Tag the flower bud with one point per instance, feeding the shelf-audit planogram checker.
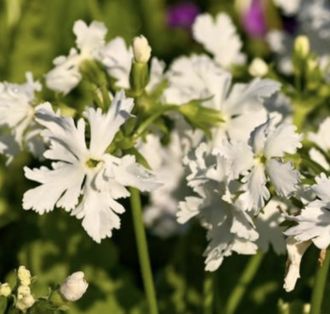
(74, 286)
(25, 299)
(258, 68)
(5, 290)
(301, 46)
(141, 49)
(24, 276)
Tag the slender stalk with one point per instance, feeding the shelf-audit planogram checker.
(319, 285)
(246, 278)
(208, 294)
(141, 242)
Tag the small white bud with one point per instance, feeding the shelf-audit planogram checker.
(141, 49)
(25, 299)
(258, 68)
(302, 46)
(5, 290)
(74, 286)
(24, 276)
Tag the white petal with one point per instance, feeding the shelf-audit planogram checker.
(62, 131)
(90, 39)
(256, 192)
(284, 177)
(250, 95)
(59, 187)
(128, 172)
(322, 138)
(105, 126)
(188, 209)
(281, 140)
(322, 187)
(156, 74)
(296, 251)
(312, 224)
(98, 212)
(117, 59)
(65, 75)
(219, 37)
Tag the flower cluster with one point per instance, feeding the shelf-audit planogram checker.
(229, 152)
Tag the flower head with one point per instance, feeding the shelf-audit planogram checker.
(86, 180)
(90, 42)
(24, 276)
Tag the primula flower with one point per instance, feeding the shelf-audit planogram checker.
(219, 37)
(229, 229)
(90, 41)
(84, 179)
(313, 223)
(240, 105)
(17, 103)
(269, 145)
(189, 79)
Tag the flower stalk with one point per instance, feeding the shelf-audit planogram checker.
(141, 242)
(246, 278)
(319, 285)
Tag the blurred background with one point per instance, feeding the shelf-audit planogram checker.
(32, 34)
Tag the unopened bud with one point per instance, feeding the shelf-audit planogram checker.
(25, 299)
(141, 49)
(5, 290)
(74, 286)
(24, 276)
(302, 46)
(258, 68)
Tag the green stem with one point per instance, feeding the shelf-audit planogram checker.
(141, 242)
(150, 120)
(208, 293)
(319, 285)
(246, 278)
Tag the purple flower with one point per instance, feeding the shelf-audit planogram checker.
(254, 19)
(182, 14)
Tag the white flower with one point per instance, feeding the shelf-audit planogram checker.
(74, 286)
(24, 276)
(117, 58)
(86, 181)
(269, 144)
(156, 75)
(17, 114)
(189, 79)
(141, 49)
(313, 223)
(166, 161)
(90, 42)
(296, 251)
(5, 290)
(229, 229)
(258, 68)
(240, 105)
(219, 37)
